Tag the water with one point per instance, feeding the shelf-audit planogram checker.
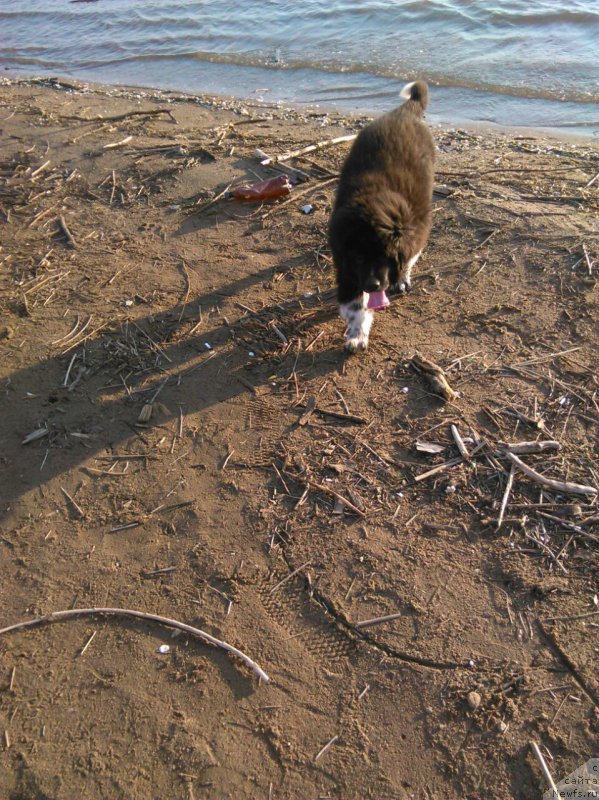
(509, 63)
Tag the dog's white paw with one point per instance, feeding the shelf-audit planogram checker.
(357, 344)
(404, 286)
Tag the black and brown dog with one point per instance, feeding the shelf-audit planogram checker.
(382, 213)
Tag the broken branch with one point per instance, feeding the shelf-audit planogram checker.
(558, 486)
(56, 616)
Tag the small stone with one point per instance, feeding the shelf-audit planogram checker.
(474, 700)
(163, 649)
(502, 726)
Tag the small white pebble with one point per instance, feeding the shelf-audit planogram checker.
(307, 209)
(207, 346)
(128, 303)
(251, 353)
(563, 401)
(164, 648)
(450, 489)
(405, 389)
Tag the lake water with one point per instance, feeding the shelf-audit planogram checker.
(511, 63)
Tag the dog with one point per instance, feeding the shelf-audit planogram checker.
(381, 216)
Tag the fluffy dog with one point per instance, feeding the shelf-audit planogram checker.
(382, 213)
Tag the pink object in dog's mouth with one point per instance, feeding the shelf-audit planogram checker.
(377, 300)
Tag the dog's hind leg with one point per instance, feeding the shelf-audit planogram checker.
(359, 321)
(405, 276)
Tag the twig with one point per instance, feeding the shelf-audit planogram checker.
(337, 496)
(288, 577)
(327, 746)
(149, 338)
(296, 196)
(121, 117)
(506, 497)
(210, 203)
(309, 149)
(530, 447)
(460, 443)
(558, 486)
(592, 181)
(544, 768)
(439, 468)
(56, 616)
(66, 377)
(87, 644)
(67, 232)
(588, 260)
(365, 623)
(339, 415)
(75, 505)
(582, 681)
(227, 459)
(114, 145)
(40, 169)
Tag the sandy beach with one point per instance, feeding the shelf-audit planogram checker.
(182, 435)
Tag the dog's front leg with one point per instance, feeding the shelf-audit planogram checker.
(404, 282)
(359, 321)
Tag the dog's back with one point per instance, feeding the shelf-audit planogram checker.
(394, 154)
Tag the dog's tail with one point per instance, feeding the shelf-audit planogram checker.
(416, 93)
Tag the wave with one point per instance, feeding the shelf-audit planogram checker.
(435, 78)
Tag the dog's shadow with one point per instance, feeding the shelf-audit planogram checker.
(99, 414)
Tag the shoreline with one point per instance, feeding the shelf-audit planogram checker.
(575, 135)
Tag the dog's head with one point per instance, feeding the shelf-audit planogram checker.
(361, 253)
(373, 233)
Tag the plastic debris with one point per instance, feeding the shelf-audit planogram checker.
(270, 189)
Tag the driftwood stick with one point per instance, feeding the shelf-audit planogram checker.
(310, 149)
(530, 447)
(558, 486)
(435, 375)
(56, 616)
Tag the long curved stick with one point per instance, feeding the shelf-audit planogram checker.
(558, 486)
(55, 616)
